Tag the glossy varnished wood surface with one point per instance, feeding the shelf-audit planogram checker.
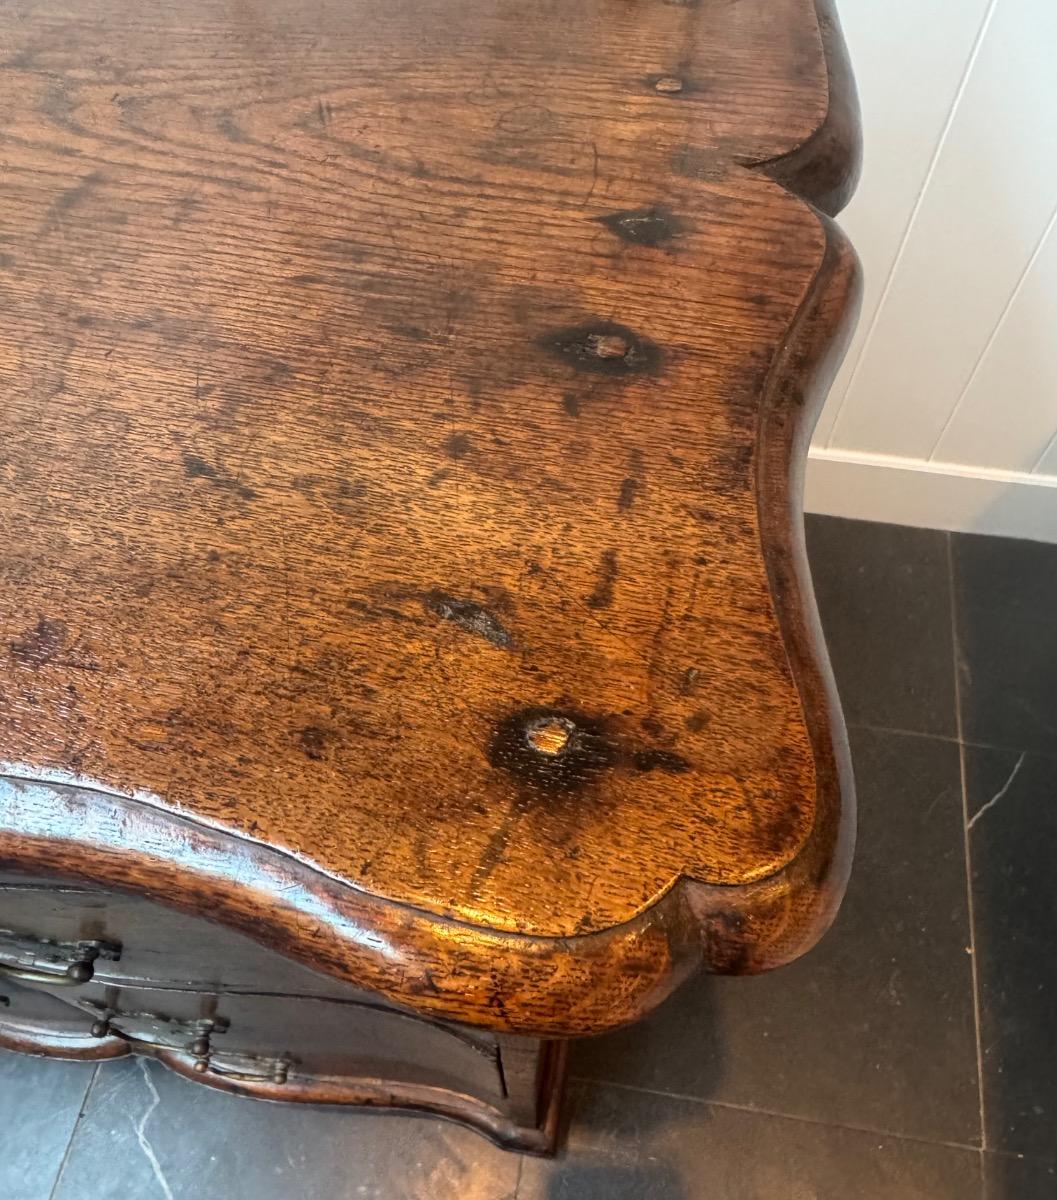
(381, 380)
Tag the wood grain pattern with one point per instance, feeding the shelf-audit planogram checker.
(382, 386)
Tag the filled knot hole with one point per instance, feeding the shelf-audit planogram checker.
(549, 736)
(607, 345)
(551, 750)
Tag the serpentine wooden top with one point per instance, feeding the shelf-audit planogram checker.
(404, 410)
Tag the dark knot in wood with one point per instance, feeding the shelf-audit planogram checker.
(606, 348)
(552, 749)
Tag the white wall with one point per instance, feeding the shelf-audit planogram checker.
(945, 413)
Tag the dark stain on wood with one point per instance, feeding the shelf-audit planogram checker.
(470, 616)
(69, 199)
(230, 129)
(629, 489)
(314, 741)
(457, 445)
(414, 333)
(198, 468)
(608, 573)
(606, 348)
(699, 720)
(656, 759)
(654, 226)
(39, 645)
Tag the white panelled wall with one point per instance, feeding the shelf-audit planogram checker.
(945, 412)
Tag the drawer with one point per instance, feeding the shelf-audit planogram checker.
(158, 945)
(299, 1049)
(165, 980)
(280, 1037)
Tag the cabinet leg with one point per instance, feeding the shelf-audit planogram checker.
(534, 1078)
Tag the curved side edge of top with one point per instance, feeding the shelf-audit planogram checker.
(825, 169)
(768, 924)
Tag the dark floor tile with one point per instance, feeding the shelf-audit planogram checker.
(1009, 1177)
(875, 1027)
(1005, 601)
(884, 597)
(147, 1134)
(630, 1146)
(1013, 835)
(39, 1103)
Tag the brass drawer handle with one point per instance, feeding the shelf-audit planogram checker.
(247, 1068)
(75, 975)
(52, 963)
(279, 1076)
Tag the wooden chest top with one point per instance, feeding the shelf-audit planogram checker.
(404, 405)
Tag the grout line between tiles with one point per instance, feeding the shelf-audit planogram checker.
(73, 1133)
(967, 841)
(781, 1116)
(1017, 1156)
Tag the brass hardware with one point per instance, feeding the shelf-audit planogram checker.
(51, 963)
(260, 1069)
(151, 1029)
(75, 974)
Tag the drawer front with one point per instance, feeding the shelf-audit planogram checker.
(159, 945)
(31, 1009)
(165, 979)
(273, 1039)
(313, 1037)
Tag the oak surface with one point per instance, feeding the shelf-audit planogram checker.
(404, 406)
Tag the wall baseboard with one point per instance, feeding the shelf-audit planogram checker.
(910, 491)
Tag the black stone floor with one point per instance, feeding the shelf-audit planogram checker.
(912, 1056)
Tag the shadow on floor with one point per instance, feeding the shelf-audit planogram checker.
(610, 1181)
